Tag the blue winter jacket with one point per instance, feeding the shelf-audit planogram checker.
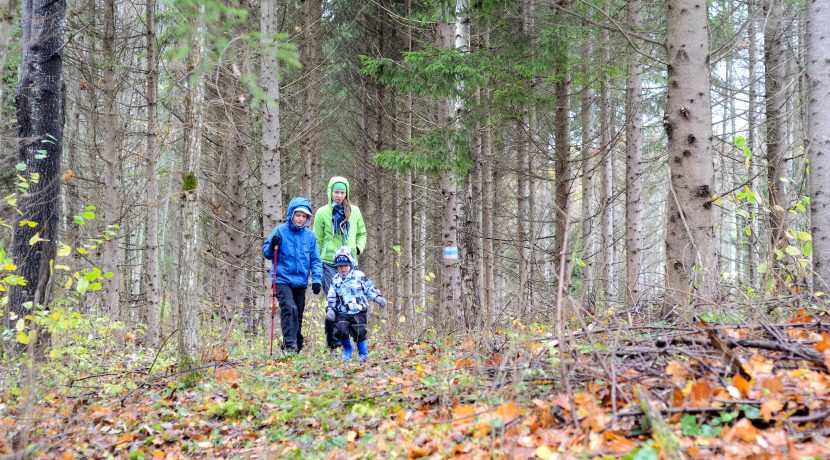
(297, 252)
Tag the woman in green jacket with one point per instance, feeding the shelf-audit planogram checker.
(338, 223)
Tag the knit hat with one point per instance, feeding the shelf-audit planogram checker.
(343, 256)
(338, 186)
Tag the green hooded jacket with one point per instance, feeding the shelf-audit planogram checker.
(327, 241)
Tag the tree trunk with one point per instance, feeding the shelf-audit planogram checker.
(606, 176)
(311, 59)
(487, 199)
(39, 105)
(272, 210)
(152, 272)
(634, 168)
(587, 159)
(561, 167)
(189, 310)
(8, 10)
(449, 113)
(112, 183)
(752, 117)
(779, 163)
(690, 257)
(818, 75)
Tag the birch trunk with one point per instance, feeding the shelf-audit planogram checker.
(152, 200)
(634, 168)
(818, 77)
(690, 255)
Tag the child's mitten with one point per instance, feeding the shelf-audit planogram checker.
(381, 301)
(329, 314)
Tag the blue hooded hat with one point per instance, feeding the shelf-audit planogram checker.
(297, 256)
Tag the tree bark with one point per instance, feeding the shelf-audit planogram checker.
(690, 257)
(779, 163)
(8, 10)
(311, 59)
(112, 182)
(152, 200)
(188, 303)
(606, 176)
(39, 106)
(561, 134)
(587, 160)
(487, 199)
(634, 168)
(818, 75)
(751, 142)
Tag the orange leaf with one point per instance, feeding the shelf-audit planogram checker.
(827, 358)
(67, 455)
(741, 384)
(464, 362)
(742, 430)
(774, 385)
(771, 405)
(509, 411)
(701, 391)
(158, 455)
(227, 375)
(677, 371)
(825, 342)
(462, 414)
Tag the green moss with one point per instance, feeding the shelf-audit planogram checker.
(191, 378)
(189, 182)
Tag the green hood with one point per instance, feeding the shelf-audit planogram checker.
(335, 180)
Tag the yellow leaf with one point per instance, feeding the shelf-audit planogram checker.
(544, 452)
(20, 325)
(62, 267)
(36, 239)
(64, 250)
(23, 338)
(10, 266)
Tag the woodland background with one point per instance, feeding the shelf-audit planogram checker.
(637, 167)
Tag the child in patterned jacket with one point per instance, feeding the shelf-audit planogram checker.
(347, 303)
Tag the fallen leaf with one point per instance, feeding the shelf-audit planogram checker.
(544, 453)
(227, 375)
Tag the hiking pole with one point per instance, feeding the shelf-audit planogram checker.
(273, 303)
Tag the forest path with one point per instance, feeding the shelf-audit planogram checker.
(445, 397)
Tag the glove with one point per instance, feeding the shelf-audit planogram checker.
(275, 241)
(315, 288)
(381, 301)
(329, 314)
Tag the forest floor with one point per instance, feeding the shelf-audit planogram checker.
(710, 391)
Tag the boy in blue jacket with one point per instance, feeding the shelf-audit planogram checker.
(347, 304)
(296, 257)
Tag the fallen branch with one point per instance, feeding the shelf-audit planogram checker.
(663, 433)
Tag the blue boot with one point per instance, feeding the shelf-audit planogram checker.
(347, 349)
(362, 351)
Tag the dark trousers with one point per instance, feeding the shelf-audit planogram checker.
(351, 326)
(292, 305)
(328, 274)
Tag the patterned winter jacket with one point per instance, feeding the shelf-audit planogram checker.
(350, 294)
